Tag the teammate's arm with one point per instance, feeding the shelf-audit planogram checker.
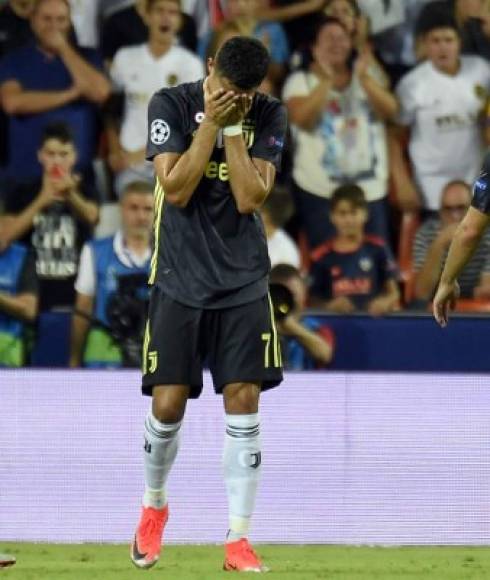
(465, 242)
(180, 173)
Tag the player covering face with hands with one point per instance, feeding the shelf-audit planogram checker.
(465, 242)
(215, 146)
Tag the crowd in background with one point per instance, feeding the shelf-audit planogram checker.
(388, 102)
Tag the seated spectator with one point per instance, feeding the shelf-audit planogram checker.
(245, 15)
(306, 343)
(138, 72)
(50, 80)
(54, 216)
(442, 100)
(337, 112)
(353, 272)
(126, 26)
(18, 302)
(432, 242)
(104, 266)
(275, 212)
(15, 28)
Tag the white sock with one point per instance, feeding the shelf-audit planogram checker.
(161, 445)
(241, 461)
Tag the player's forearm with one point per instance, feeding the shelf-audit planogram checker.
(247, 185)
(181, 180)
(462, 247)
(96, 87)
(32, 102)
(23, 307)
(426, 279)
(79, 330)
(86, 210)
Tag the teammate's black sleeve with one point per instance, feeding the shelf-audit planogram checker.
(271, 134)
(166, 120)
(481, 188)
(28, 281)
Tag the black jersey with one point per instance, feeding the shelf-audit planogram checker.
(481, 188)
(208, 255)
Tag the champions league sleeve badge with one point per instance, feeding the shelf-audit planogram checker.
(159, 132)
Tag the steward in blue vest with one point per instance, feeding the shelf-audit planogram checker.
(18, 302)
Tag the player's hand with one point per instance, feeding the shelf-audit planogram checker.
(219, 104)
(243, 106)
(444, 300)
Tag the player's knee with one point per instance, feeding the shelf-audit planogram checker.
(168, 405)
(241, 399)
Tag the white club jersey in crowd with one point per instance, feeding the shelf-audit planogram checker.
(282, 249)
(347, 144)
(443, 112)
(137, 73)
(85, 18)
(86, 282)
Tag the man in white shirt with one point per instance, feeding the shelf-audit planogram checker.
(441, 102)
(138, 72)
(105, 265)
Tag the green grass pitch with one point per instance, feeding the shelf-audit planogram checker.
(106, 562)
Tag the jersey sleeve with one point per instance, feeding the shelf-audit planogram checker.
(271, 135)
(481, 189)
(165, 126)
(85, 282)
(406, 97)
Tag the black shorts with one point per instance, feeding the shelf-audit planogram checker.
(238, 344)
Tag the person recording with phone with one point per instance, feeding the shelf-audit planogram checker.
(54, 216)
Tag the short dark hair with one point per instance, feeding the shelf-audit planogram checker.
(433, 16)
(243, 61)
(281, 273)
(59, 131)
(139, 187)
(351, 193)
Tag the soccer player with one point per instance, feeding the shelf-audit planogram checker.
(215, 145)
(465, 242)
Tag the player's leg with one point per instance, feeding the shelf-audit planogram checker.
(171, 374)
(245, 360)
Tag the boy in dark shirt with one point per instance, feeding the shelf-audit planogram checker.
(353, 271)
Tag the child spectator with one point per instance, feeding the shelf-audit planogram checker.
(353, 271)
(54, 216)
(138, 72)
(306, 343)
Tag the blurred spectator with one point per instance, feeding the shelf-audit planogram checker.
(392, 26)
(353, 271)
(306, 342)
(15, 29)
(85, 15)
(49, 80)
(104, 266)
(432, 243)
(337, 113)
(442, 101)
(473, 18)
(127, 27)
(275, 212)
(207, 15)
(18, 302)
(54, 216)
(245, 14)
(138, 72)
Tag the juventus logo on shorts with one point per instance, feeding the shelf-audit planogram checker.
(153, 361)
